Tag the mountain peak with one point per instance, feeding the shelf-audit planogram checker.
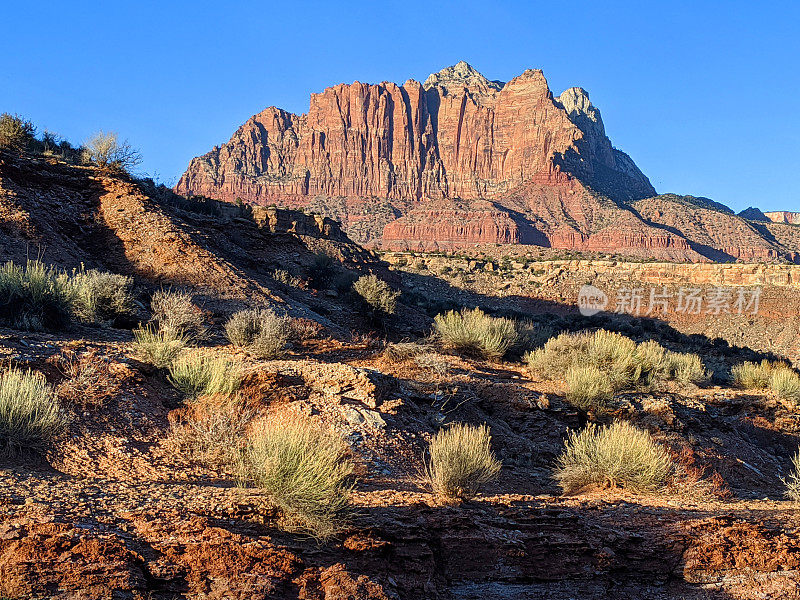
(462, 75)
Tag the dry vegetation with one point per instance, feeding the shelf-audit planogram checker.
(30, 415)
(262, 332)
(475, 333)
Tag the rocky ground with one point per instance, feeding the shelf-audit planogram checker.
(126, 504)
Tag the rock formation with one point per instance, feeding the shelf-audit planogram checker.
(452, 162)
(783, 216)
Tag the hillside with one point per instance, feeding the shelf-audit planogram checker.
(152, 487)
(461, 160)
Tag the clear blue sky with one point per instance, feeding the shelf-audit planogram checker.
(703, 95)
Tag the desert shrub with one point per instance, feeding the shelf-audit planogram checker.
(618, 455)
(198, 374)
(619, 358)
(377, 294)
(283, 276)
(34, 297)
(16, 133)
(304, 329)
(785, 383)
(260, 330)
(475, 333)
(303, 467)
(687, 368)
(751, 375)
(588, 387)
(107, 151)
(461, 461)
(30, 414)
(323, 270)
(100, 297)
(156, 346)
(792, 481)
(175, 313)
(530, 336)
(90, 380)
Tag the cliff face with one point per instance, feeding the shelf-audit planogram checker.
(454, 161)
(783, 216)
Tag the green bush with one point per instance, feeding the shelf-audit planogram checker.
(475, 333)
(16, 133)
(157, 347)
(461, 461)
(34, 297)
(687, 368)
(198, 374)
(100, 297)
(30, 414)
(304, 468)
(588, 387)
(176, 314)
(260, 330)
(377, 294)
(792, 482)
(618, 455)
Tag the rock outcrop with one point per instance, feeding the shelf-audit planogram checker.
(451, 162)
(783, 216)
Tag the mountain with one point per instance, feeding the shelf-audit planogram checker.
(461, 160)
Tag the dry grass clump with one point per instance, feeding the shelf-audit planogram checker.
(156, 346)
(619, 360)
(475, 333)
(198, 374)
(260, 330)
(461, 461)
(175, 314)
(90, 379)
(792, 482)
(588, 387)
(34, 297)
(214, 430)
(618, 455)
(399, 351)
(377, 294)
(30, 414)
(99, 297)
(305, 469)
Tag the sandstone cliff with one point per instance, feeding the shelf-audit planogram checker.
(784, 216)
(451, 162)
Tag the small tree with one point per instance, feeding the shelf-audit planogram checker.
(16, 133)
(106, 151)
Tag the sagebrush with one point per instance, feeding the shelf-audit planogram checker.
(176, 314)
(197, 373)
(377, 294)
(30, 415)
(460, 461)
(263, 332)
(475, 333)
(156, 346)
(617, 455)
(304, 467)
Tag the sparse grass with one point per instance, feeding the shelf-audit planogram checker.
(157, 347)
(30, 414)
(588, 387)
(398, 351)
(90, 379)
(461, 461)
(305, 469)
(621, 361)
(792, 481)
(34, 297)
(261, 331)
(174, 313)
(196, 374)
(100, 297)
(377, 294)
(475, 333)
(215, 430)
(618, 455)
(785, 383)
